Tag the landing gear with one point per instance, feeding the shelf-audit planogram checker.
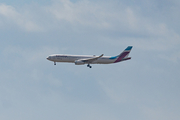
(54, 63)
(89, 66)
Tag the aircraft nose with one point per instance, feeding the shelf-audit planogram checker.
(48, 58)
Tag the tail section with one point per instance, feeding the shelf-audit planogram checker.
(124, 55)
(127, 50)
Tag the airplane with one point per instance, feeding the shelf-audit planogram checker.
(90, 59)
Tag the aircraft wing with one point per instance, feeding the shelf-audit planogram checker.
(90, 60)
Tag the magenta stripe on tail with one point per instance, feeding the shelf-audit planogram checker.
(121, 56)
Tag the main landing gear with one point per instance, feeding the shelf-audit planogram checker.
(89, 66)
(54, 63)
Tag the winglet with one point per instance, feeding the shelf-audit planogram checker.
(100, 55)
(91, 59)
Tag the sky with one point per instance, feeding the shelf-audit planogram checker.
(143, 88)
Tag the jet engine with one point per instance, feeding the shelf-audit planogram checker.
(79, 62)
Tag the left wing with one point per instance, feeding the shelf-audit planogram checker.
(90, 60)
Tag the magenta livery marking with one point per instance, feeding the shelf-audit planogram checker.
(124, 54)
(121, 56)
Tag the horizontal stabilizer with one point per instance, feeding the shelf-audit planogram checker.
(128, 58)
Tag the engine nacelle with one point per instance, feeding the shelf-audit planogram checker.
(79, 62)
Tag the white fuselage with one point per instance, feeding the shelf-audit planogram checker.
(73, 58)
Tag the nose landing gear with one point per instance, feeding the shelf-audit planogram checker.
(89, 66)
(54, 63)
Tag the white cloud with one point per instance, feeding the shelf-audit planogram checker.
(104, 16)
(152, 34)
(11, 16)
(82, 13)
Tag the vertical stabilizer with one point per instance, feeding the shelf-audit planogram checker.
(124, 55)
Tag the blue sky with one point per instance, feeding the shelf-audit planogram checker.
(144, 88)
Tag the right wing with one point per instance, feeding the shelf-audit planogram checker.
(90, 60)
